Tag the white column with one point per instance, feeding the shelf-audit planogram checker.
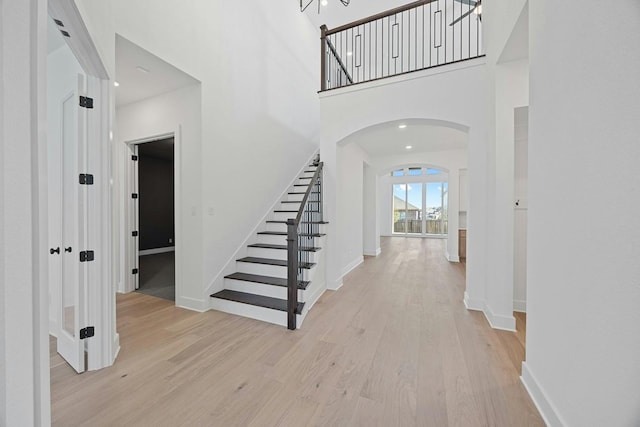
(24, 349)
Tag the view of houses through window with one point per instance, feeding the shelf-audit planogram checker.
(420, 205)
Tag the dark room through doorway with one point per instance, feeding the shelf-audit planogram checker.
(156, 216)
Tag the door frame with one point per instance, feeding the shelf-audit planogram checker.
(131, 222)
(102, 349)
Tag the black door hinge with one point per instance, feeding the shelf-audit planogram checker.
(86, 256)
(134, 233)
(86, 179)
(134, 195)
(134, 271)
(87, 332)
(86, 102)
(134, 158)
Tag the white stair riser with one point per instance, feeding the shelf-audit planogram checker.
(253, 312)
(276, 254)
(266, 270)
(260, 289)
(295, 197)
(283, 216)
(276, 227)
(270, 239)
(267, 253)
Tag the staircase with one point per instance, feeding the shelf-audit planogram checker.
(279, 279)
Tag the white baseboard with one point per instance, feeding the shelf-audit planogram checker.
(520, 306)
(452, 258)
(337, 284)
(192, 304)
(115, 348)
(545, 407)
(352, 265)
(157, 251)
(471, 304)
(504, 323)
(372, 253)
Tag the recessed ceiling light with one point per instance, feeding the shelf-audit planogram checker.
(349, 53)
(324, 2)
(408, 147)
(142, 69)
(402, 126)
(116, 84)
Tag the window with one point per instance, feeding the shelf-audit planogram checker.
(421, 208)
(399, 172)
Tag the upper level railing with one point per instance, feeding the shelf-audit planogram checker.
(302, 232)
(417, 36)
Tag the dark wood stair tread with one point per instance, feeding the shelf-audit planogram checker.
(284, 211)
(304, 192)
(276, 221)
(271, 261)
(284, 233)
(282, 247)
(257, 300)
(267, 280)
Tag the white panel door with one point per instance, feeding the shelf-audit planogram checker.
(72, 304)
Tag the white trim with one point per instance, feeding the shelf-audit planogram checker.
(157, 251)
(115, 348)
(503, 323)
(370, 253)
(192, 304)
(176, 134)
(471, 304)
(452, 258)
(337, 285)
(445, 68)
(217, 284)
(352, 265)
(520, 306)
(547, 410)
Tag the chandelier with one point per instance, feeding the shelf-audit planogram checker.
(304, 4)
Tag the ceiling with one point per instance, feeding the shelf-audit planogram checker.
(389, 140)
(136, 85)
(335, 14)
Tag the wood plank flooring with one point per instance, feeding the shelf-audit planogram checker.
(393, 347)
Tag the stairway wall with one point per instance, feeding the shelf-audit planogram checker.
(259, 67)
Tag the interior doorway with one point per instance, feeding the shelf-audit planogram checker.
(154, 206)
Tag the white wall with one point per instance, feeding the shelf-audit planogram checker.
(511, 82)
(451, 161)
(453, 94)
(24, 354)
(62, 80)
(370, 208)
(520, 211)
(584, 281)
(349, 231)
(170, 112)
(259, 68)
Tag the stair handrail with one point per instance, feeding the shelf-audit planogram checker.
(293, 243)
(326, 43)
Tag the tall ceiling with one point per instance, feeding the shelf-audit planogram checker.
(137, 84)
(388, 139)
(335, 14)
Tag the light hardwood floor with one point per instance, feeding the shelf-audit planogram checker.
(393, 347)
